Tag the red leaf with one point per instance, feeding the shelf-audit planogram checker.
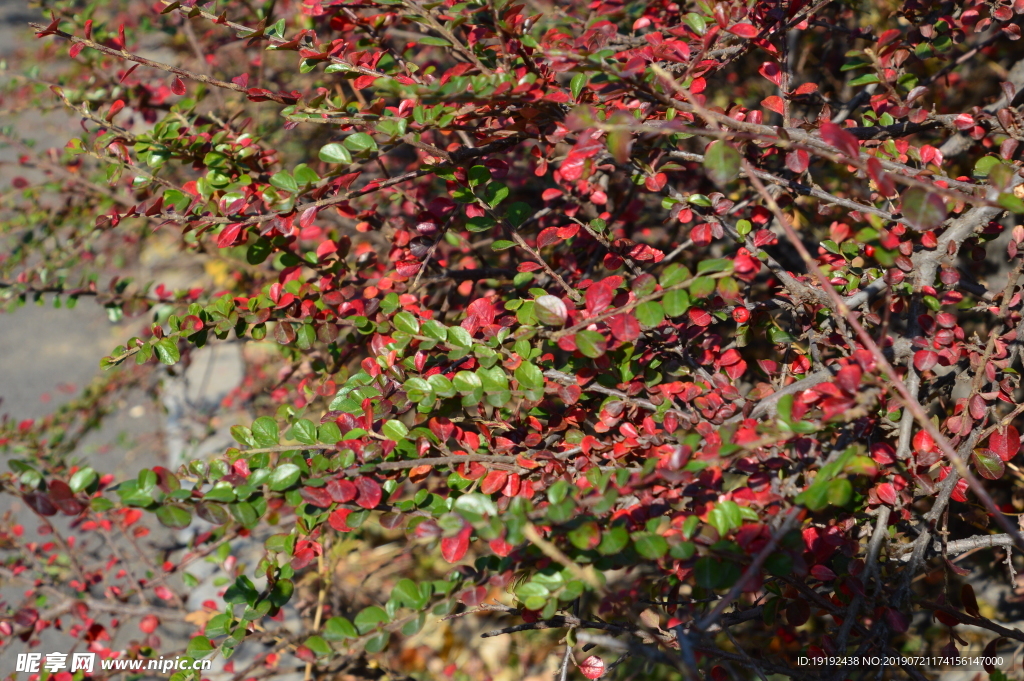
(586, 146)
(479, 313)
(128, 73)
(341, 491)
(454, 548)
(977, 408)
(363, 82)
(494, 481)
(743, 31)
(229, 235)
(114, 108)
(772, 72)
(925, 359)
(307, 217)
(1005, 443)
(547, 237)
(474, 596)
(988, 464)
(896, 620)
(923, 209)
(840, 139)
(656, 182)
(699, 316)
(822, 573)
(40, 503)
(600, 295)
(318, 496)
(592, 667)
(500, 547)
(797, 160)
(75, 49)
(369, 492)
(338, 520)
(969, 601)
(882, 180)
(624, 326)
(797, 612)
(887, 493)
(923, 442)
(149, 623)
(774, 103)
(701, 234)
(848, 378)
(177, 86)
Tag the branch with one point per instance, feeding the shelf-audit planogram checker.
(184, 73)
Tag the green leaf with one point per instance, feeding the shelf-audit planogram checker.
(1011, 203)
(359, 142)
(82, 479)
(167, 350)
(866, 79)
(284, 180)
(339, 629)
(676, 302)
(502, 245)
(284, 476)
(431, 40)
(517, 213)
(335, 152)
(406, 321)
(722, 163)
(840, 491)
(479, 224)
(466, 382)
(695, 22)
(984, 165)
(577, 84)
(395, 430)
(198, 646)
(475, 506)
(264, 431)
(406, 593)
(591, 343)
(585, 537)
(478, 175)
(529, 376)
(649, 545)
(368, 619)
(304, 431)
(305, 336)
(650, 315)
(777, 335)
(701, 288)
(706, 571)
(714, 265)
(613, 540)
(318, 646)
(674, 274)
(495, 193)
(174, 517)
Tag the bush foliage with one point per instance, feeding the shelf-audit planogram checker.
(687, 331)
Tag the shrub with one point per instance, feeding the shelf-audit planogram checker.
(685, 330)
